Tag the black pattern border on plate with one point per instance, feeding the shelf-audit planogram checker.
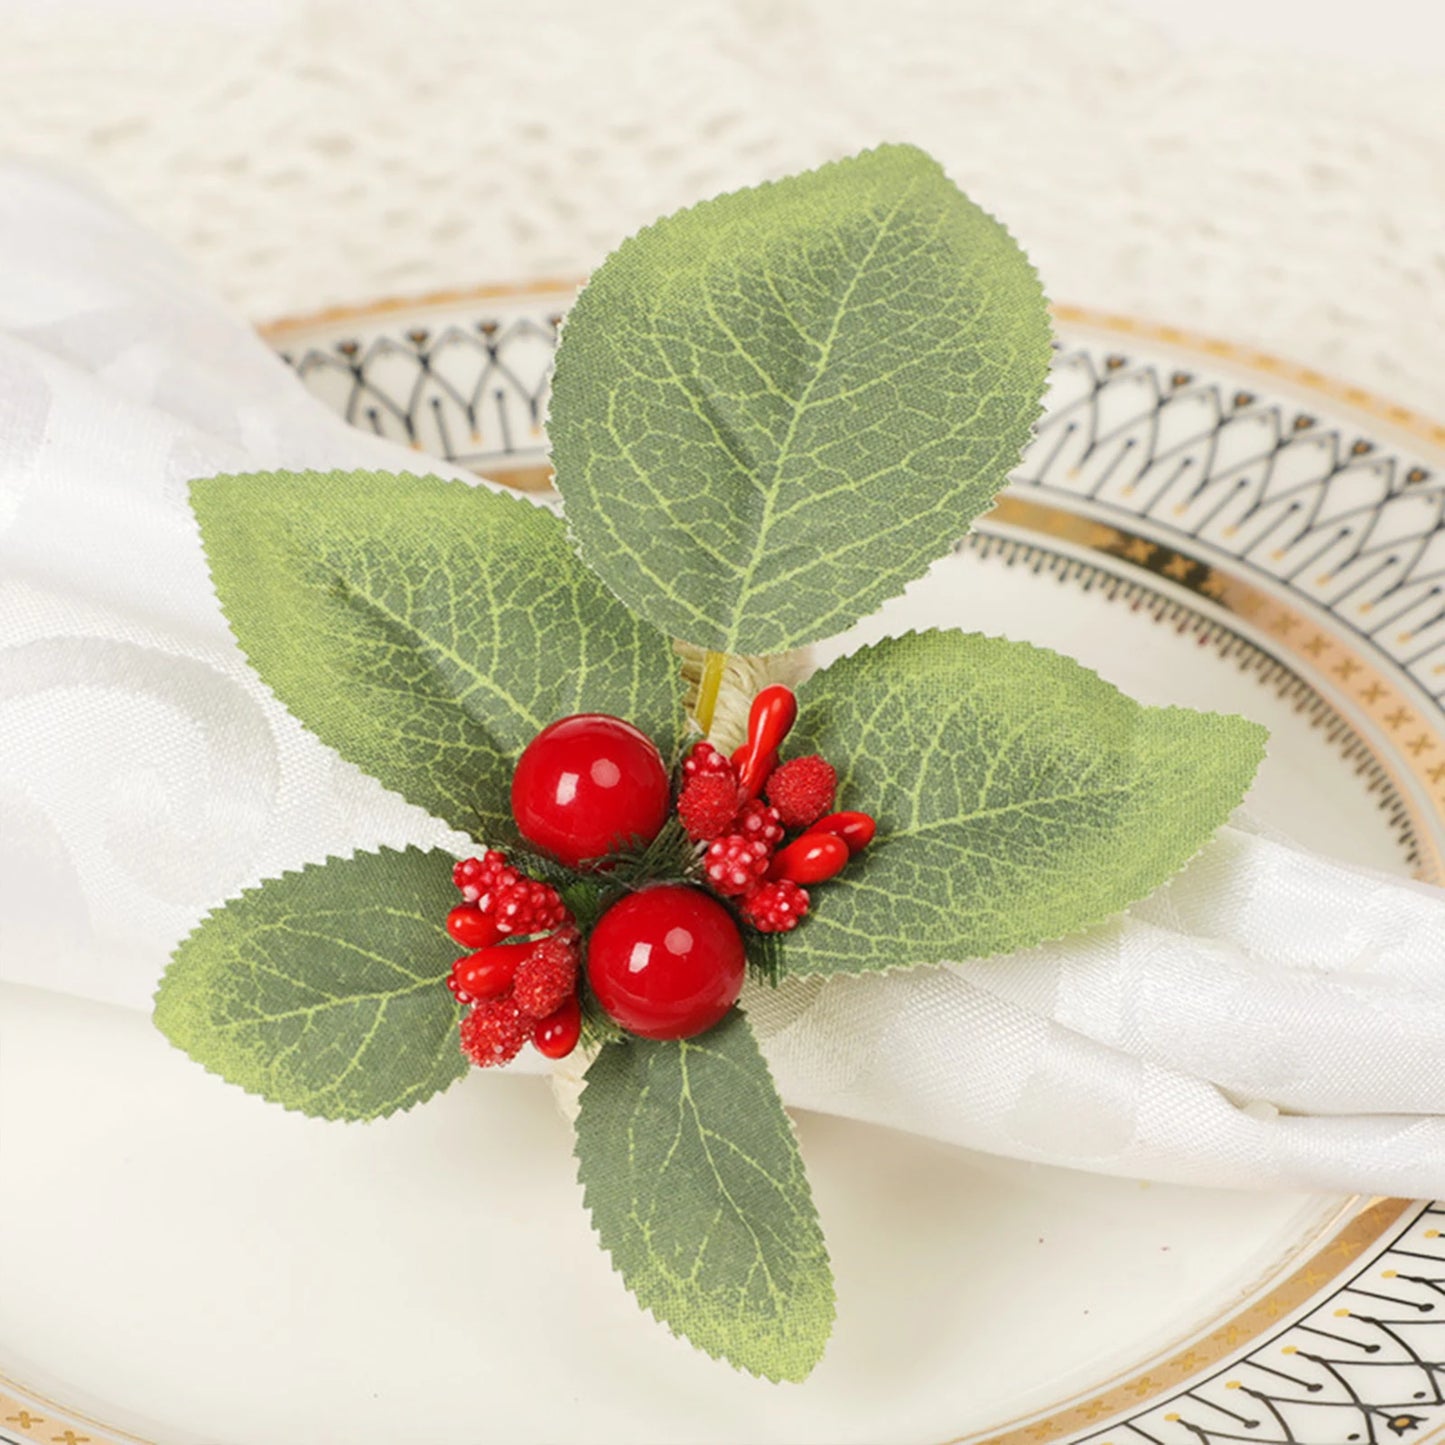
(1365, 1365)
(1331, 517)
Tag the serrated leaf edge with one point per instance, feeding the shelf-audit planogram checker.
(334, 475)
(251, 891)
(904, 581)
(673, 1330)
(1259, 732)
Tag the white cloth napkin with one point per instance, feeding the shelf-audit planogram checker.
(1269, 1019)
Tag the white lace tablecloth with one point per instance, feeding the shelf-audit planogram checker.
(1273, 172)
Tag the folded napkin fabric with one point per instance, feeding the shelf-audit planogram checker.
(1268, 1019)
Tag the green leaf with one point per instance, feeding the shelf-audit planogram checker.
(426, 630)
(697, 1191)
(324, 990)
(1019, 798)
(772, 411)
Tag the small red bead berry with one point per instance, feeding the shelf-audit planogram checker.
(471, 927)
(666, 962)
(709, 802)
(493, 1032)
(813, 858)
(547, 977)
(760, 824)
(770, 719)
(478, 876)
(734, 864)
(487, 973)
(702, 757)
(588, 785)
(776, 907)
(802, 790)
(855, 829)
(527, 907)
(556, 1035)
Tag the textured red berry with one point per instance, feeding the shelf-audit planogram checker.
(759, 823)
(734, 864)
(776, 907)
(811, 859)
(547, 977)
(802, 790)
(478, 876)
(702, 757)
(494, 1032)
(855, 829)
(556, 1035)
(708, 804)
(667, 962)
(487, 973)
(526, 907)
(588, 785)
(471, 927)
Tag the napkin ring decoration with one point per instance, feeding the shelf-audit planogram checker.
(770, 413)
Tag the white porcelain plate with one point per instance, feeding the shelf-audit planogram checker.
(1203, 526)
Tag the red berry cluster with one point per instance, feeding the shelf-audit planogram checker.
(520, 986)
(722, 804)
(664, 961)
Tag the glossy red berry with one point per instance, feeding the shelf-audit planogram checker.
(811, 859)
(547, 977)
(494, 1032)
(589, 785)
(734, 864)
(802, 790)
(776, 907)
(487, 973)
(471, 927)
(770, 719)
(855, 829)
(666, 963)
(556, 1035)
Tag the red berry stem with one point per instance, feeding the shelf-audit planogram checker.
(802, 790)
(813, 858)
(770, 719)
(556, 1035)
(735, 864)
(855, 829)
(471, 927)
(516, 990)
(547, 977)
(493, 1032)
(708, 803)
(776, 907)
(488, 973)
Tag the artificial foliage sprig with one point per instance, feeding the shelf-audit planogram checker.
(770, 413)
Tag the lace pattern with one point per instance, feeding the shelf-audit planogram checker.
(341, 152)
